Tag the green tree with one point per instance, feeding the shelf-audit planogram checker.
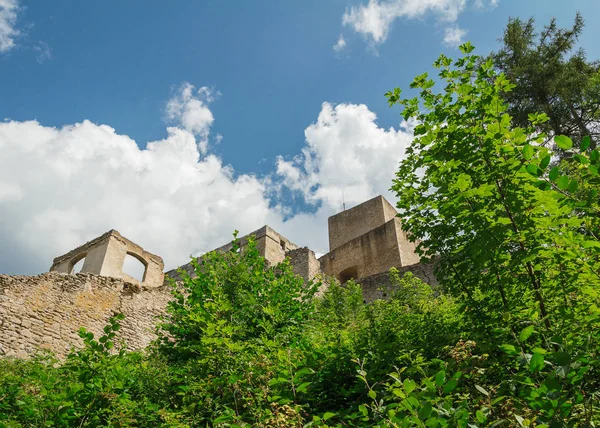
(512, 240)
(234, 297)
(517, 238)
(551, 77)
(231, 336)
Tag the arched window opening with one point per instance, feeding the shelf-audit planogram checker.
(77, 264)
(348, 274)
(135, 267)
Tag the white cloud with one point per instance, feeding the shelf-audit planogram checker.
(44, 52)
(60, 187)
(189, 109)
(8, 20)
(454, 36)
(491, 4)
(340, 44)
(374, 20)
(347, 156)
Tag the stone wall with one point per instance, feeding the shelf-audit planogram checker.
(350, 224)
(304, 263)
(46, 311)
(408, 254)
(379, 286)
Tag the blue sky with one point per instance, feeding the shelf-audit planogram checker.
(266, 68)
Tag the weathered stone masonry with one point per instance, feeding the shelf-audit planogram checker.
(46, 311)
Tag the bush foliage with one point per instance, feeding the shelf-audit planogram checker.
(511, 338)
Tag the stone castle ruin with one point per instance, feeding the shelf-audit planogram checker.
(106, 255)
(46, 311)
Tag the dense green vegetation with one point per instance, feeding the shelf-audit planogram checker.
(512, 337)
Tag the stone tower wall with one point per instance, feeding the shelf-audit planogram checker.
(373, 252)
(352, 223)
(379, 286)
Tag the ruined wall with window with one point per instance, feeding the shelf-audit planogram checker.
(107, 255)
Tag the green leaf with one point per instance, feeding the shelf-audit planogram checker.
(554, 172)
(552, 384)
(562, 358)
(498, 399)
(409, 385)
(543, 185)
(581, 159)
(534, 170)
(440, 377)
(527, 331)
(399, 392)
(425, 410)
(328, 415)
(563, 142)
(432, 422)
(509, 349)
(520, 420)
(562, 182)
(302, 387)
(595, 156)
(573, 185)
(545, 162)
(466, 48)
(527, 151)
(449, 387)
(463, 182)
(585, 143)
(222, 418)
(536, 363)
(372, 394)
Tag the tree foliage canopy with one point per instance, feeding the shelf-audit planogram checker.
(480, 193)
(551, 76)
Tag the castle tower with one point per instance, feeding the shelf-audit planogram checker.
(366, 240)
